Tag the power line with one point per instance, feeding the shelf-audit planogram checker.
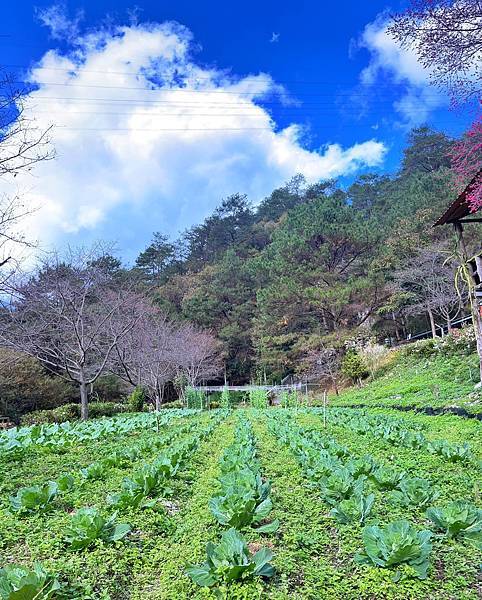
(150, 129)
(221, 75)
(197, 91)
(187, 103)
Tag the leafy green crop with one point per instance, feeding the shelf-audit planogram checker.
(399, 542)
(88, 525)
(148, 480)
(453, 453)
(340, 485)
(34, 498)
(258, 398)
(231, 560)
(353, 509)
(361, 466)
(387, 478)
(414, 491)
(95, 471)
(239, 508)
(65, 482)
(19, 583)
(459, 519)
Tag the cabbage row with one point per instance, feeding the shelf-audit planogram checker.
(57, 437)
(396, 432)
(347, 483)
(243, 503)
(89, 526)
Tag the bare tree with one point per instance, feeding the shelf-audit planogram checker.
(69, 314)
(22, 145)
(447, 38)
(157, 351)
(148, 354)
(199, 354)
(427, 285)
(324, 364)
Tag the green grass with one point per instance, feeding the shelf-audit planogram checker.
(416, 381)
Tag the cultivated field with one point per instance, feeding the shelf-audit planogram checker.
(292, 503)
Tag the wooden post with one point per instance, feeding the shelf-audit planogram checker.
(474, 305)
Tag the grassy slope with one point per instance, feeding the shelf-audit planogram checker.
(436, 381)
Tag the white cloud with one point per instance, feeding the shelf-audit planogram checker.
(61, 26)
(138, 128)
(401, 66)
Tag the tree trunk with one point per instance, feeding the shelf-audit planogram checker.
(84, 401)
(477, 321)
(432, 323)
(449, 325)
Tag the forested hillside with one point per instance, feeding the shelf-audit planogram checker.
(312, 268)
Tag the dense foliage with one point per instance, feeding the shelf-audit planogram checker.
(312, 265)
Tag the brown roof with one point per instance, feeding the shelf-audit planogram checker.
(459, 207)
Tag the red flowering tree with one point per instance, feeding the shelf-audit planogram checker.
(466, 157)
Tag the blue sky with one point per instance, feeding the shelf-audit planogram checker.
(267, 90)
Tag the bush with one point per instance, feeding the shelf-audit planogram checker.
(353, 366)
(136, 399)
(174, 404)
(460, 342)
(70, 412)
(67, 412)
(109, 388)
(26, 386)
(106, 409)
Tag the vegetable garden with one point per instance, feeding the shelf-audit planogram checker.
(249, 503)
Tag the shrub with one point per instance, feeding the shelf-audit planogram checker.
(354, 366)
(106, 409)
(174, 404)
(258, 398)
(70, 412)
(67, 412)
(458, 342)
(136, 399)
(196, 398)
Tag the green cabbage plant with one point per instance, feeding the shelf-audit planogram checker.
(95, 471)
(459, 519)
(340, 485)
(34, 498)
(414, 491)
(397, 543)
(239, 508)
(19, 583)
(353, 509)
(231, 560)
(88, 525)
(387, 478)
